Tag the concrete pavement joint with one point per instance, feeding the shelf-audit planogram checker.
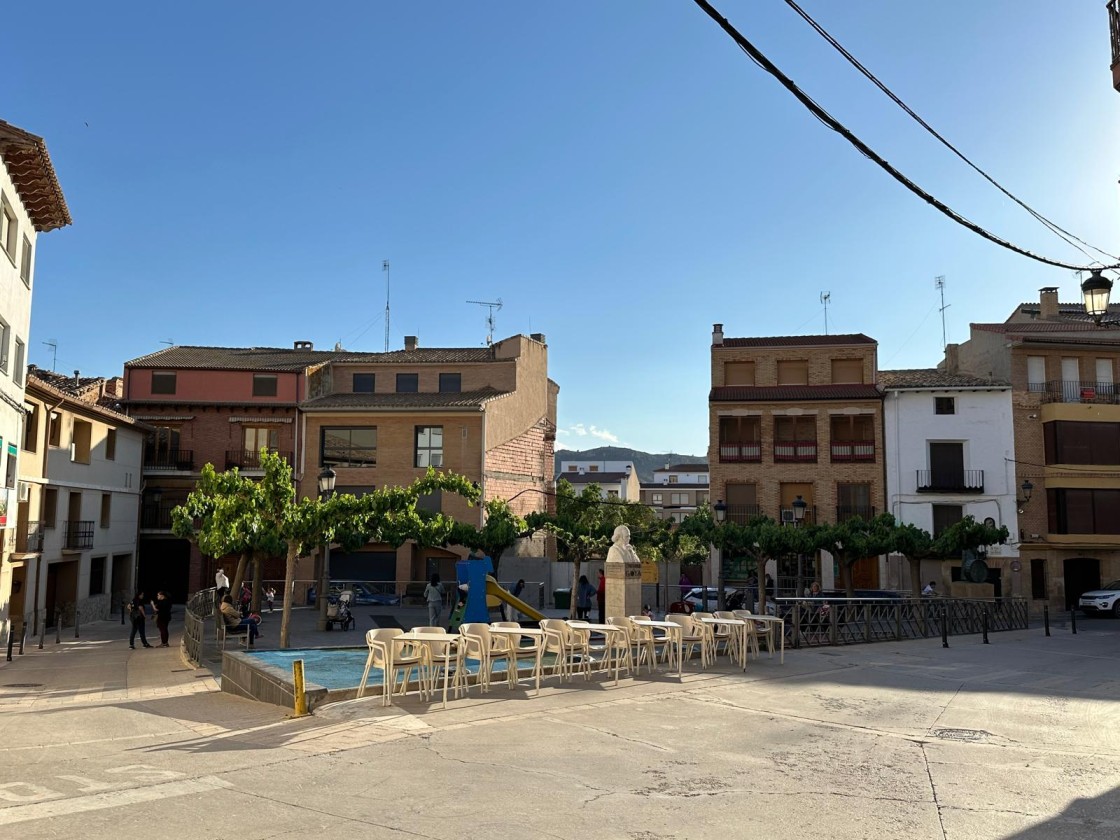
(933, 790)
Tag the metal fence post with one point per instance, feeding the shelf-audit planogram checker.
(1046, 618)
(898, 622)
(984, 625)
(122, 613)
(1073, 620)
(867, 622)
(944, 627)
(23, 637)
(833, 628)
(77, 623)
(58, 628)
(11, 639)
(797, 626)
(42, 633)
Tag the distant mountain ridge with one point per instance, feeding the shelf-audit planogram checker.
(644, 462)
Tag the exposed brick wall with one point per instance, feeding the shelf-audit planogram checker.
(526, 462)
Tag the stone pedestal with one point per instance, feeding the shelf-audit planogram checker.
(624, 588)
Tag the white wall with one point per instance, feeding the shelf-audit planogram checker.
(983, 422)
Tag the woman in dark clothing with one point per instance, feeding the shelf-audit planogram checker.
(161, 606)
(136, 607)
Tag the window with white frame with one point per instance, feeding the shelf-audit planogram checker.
(429, 446)
(17, 371)
(9, 230)
(25, 263)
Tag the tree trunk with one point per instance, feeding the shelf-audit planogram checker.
(256, 583)
(846, 577)
(239, 577)
(915, 575)
(576, 565)
(760, 577)
(289, 595)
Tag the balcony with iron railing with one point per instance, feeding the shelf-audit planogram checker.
(25, 539)
(742, 514)
(740, 453)
(181, 460)
(846, 512)
(250, 459)
(1075, 391)
(950, 481)
(853, 450)
(795, 451)
(156, 516)
(78, 536)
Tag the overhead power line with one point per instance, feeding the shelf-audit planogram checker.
(830, 121)
(1061, 233)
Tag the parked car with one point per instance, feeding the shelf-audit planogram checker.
(1103, 600)
(365, 595)
(695, 597)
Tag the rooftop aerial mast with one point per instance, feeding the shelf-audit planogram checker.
(492, 307)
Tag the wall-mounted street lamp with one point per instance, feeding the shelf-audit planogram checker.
(1095, 291)
(799, 505)
(327, 480)
(1027, 489)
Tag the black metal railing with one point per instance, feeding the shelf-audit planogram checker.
(79, 535)
(742, 514)
(1076, 391)
(811, 622)
(250, 459)
(789, 516)
(157, 516)
(169, 459)
(846, 512)
(853, 450)
(29, 540)
(1114, 30)
(739, 453)
(950, 481)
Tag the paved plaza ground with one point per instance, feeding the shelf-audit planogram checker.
(1016, 739)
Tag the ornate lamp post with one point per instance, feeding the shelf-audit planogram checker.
(799, 505)
(720, 510)
(1095, 290)
(326, 489)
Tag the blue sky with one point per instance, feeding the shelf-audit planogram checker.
(618, 173)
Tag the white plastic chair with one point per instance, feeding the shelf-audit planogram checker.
(404, 659)
(694, 634)
(568, 646)
(757, 630)
(480, 644)
(437, 652)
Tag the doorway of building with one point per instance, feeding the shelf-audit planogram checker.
(1081, 574)
(865, 573)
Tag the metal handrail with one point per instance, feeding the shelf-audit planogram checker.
(950, 481)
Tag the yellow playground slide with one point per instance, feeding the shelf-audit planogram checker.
(495, 593)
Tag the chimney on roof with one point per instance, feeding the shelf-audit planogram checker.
(952, 358)
(538, 337)
(717, 335)
(303, 345)
(77, 377)
(1048, 303)
(410, 342)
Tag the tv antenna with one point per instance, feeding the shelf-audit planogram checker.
(53, 344)
(385, 268)
(825, 298)
(492, 307)
(939, 282)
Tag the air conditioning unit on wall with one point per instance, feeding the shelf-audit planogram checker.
(24, 491)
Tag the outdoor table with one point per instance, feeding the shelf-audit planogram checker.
(606, 629)
(675, 632)
(739, 627)
(428, 640)
(780, 630)
(515, 635)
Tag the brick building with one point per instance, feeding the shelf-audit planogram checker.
(797, 417)
(378, 419)
(1066, 414)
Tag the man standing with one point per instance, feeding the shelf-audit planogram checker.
(221, 583)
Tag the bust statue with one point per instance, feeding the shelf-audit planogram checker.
(621, 551)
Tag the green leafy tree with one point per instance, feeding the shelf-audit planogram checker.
(854, 539)
(916, 545)
(222, 517)
(500, 532)
(385, 515)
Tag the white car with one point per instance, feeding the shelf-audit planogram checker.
(695, 597)
(1103, 600)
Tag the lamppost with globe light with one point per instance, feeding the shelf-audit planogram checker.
(326, 489)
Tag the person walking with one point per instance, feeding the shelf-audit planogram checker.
(601, 597)
(136, 612)
(433, 594)
(584, 593)
(221, 583)
(161, 608)
(270, 596)
(685, 585)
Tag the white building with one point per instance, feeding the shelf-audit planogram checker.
(949, 443)
(676, 490)
(616, 479)
(31, 202)
(74, 547)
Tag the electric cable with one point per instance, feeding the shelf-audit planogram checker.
(831, 122)
(1062, 233)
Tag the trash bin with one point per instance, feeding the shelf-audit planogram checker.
(562, 599)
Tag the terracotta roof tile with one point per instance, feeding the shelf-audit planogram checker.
(281, 358)
(933, 378)
(803, 393)
(798, 340)
(30, 168)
